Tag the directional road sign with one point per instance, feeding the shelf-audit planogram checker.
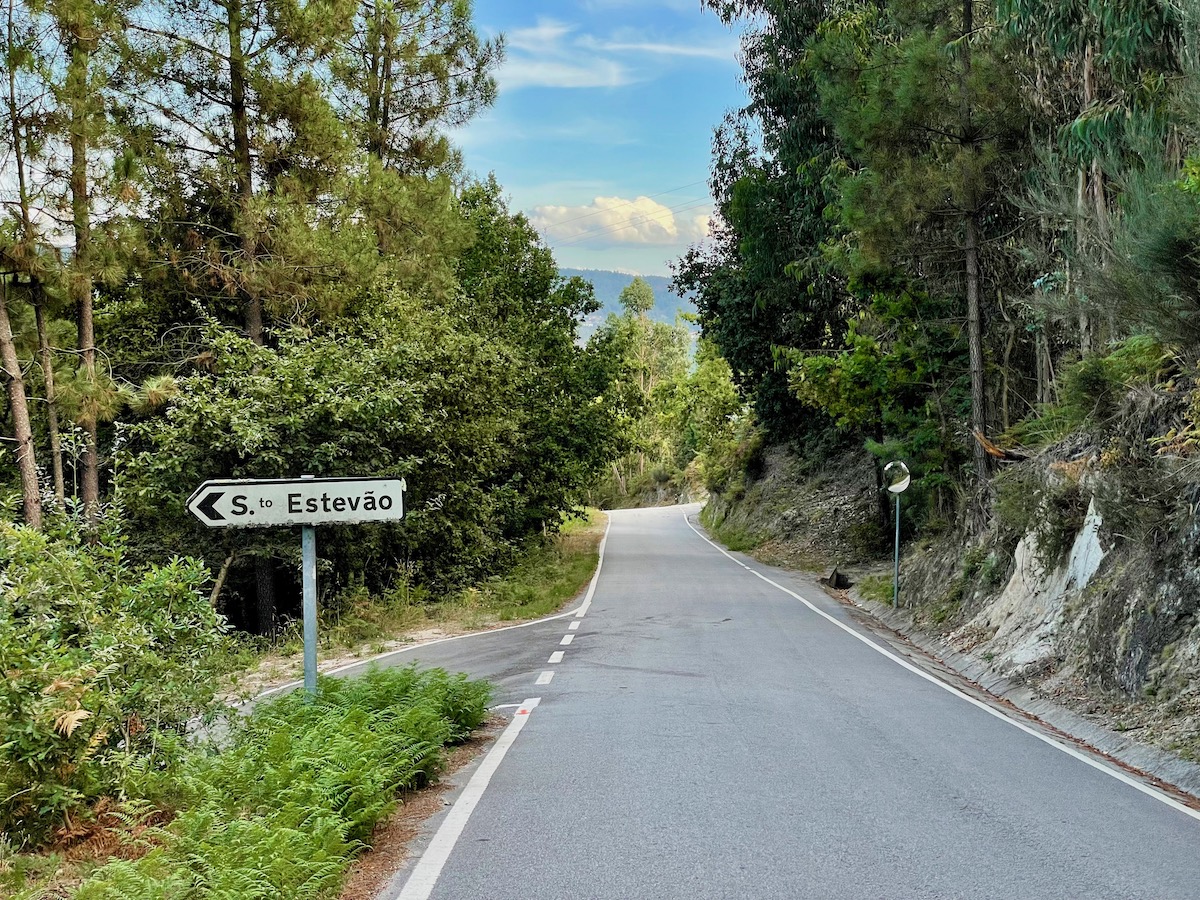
(299, 501)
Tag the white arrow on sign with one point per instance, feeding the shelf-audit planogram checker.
(298, 501)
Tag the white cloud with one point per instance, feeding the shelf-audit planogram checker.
(725, 51)
(552, 73)
(547, 33)
(552, 54)
(676, 5)
(544, 55)
(609, 221)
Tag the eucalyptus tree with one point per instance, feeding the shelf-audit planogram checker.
(1101, 81)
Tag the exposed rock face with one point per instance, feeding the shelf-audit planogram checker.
(1025, 622)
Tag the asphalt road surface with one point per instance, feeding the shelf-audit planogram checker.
(706, 735)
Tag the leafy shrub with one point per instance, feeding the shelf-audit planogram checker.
(1091, 390)
(298, 788)
(1061, 514)
(104, 661)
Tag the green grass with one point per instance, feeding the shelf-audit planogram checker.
(735, 537)
(549, 575)
(296, 789)
(877, 588)
(546, 576)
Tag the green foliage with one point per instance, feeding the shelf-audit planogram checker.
(877, 588)
(561, 405)
(736, 458)
(1050, 511)
(1092, 390)
(1061, 511)
(638, 298)
(899, 385)
(298, 787)
(761, 282)
(1016, 504)
(675, 410)
(105, 663)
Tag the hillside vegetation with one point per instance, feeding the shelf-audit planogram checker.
(237, 243)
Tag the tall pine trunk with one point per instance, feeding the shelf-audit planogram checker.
(36, 293)
(80, 101)
(243, 169)
(46, 359)
(264, 567)
(979, 423)
(22, 430)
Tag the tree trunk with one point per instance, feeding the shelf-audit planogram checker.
(1010, 344)
(37, 295)
(1086, 325)
(971, 255)
(214, 599)
(47, 363)
(264, 590)
(620, 479)
(22, 430)
(975, 348)
(243, 171)
(78, 91)
(264, 570)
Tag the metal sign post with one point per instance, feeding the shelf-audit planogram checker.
(308, 576)
(899, 479)
(307, 502)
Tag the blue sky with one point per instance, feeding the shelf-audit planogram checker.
(602, 132)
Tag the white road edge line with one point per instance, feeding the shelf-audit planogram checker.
(900, 661)
(587, 598)
(545, 678)
(577, 613)
(421, 882)
(556, 657)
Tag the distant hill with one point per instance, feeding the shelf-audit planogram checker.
(608, 291)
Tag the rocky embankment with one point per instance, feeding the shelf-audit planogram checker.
(1084, 592)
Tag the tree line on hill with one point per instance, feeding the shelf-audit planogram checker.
(948, 229)
(238, 244)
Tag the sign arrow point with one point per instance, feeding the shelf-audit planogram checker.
(207, 506)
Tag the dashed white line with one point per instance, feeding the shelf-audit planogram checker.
(425, 874)
(574, 626)
(566, 640)
(556, 657)
(545, 678)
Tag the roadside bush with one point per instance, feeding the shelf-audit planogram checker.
(298, 787)
(104, 662)
(1091, 391)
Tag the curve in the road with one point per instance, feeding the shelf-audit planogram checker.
(946, 686)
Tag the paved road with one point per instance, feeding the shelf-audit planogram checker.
(708, 736)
